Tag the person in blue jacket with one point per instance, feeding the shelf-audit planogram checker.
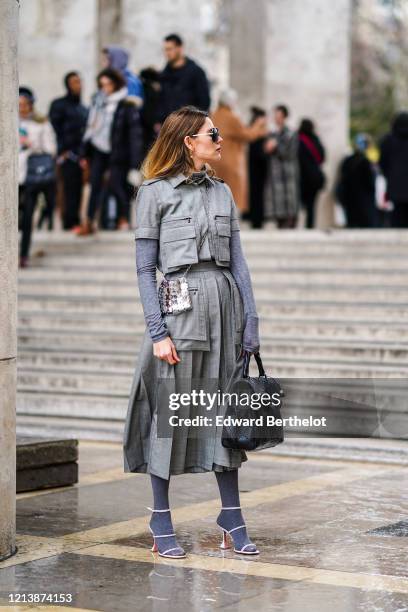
(118, 59)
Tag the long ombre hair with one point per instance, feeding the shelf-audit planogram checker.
(169, 155)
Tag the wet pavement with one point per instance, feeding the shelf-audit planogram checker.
(333, 535)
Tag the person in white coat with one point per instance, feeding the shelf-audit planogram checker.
(38, 148)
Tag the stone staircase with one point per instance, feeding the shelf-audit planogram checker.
(332, 305)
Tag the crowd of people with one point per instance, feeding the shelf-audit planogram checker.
(272, 173)
(103, 145)
(373, 181)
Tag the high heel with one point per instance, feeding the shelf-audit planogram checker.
(155, 548)
(224, 543)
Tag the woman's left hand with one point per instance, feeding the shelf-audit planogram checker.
(250, 339)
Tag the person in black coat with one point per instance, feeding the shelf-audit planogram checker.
(356, 187)
(182, 81)
(126, 157)
(68, 118)
(151, 86)
(394, 165)
(257, 172)
(311, 156)
(113, 145)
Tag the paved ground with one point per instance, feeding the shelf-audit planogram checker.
(333, 536)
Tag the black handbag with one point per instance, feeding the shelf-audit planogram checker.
(244, 426)
(40, 169)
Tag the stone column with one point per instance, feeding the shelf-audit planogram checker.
(54, 38)
(247, 51)
(198, 22)
(296, 52)
(8, 272)
(108, 26)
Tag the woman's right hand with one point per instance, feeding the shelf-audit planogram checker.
(165, 349)
(270, 145)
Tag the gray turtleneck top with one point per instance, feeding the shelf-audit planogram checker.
(146, 263)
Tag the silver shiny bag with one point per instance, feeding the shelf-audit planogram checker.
(174, 295)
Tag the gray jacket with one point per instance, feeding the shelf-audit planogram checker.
(177, 213)
(282, 193)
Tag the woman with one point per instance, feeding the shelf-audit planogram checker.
(257, 171)
(180, 204)
(282, 185)
(232, 168)
(311, 156)
(36, 163)
(113, 146)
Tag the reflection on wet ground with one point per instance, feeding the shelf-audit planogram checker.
(332, 536)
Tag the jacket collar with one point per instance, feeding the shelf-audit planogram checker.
(180, 178)
(177, 179)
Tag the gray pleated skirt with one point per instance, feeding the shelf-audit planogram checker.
(208, 341)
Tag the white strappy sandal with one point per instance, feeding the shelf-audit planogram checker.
(225, 545)
(167, 535)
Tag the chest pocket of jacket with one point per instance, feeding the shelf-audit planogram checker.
(189, 329)
(178, 243)
(223, 229)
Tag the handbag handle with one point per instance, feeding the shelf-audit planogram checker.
(247, 358)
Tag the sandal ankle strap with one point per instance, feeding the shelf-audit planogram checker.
(232, 508)
(153, 510)
(234, 528)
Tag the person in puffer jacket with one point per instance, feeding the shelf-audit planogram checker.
(112, 147)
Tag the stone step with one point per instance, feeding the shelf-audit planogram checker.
(82, 429)
(334, 293)
(269, 234)
(44, 462)
(391, 451)
(353, 449)
(271, 321)
(250, 242)
(77, 339)
(57, 242)
(269, 228)
(42, 357)
(252, 247)
(68, 404)
(332, 306)
(108, 382)
(91, 275)
(116, 311)
(339, 262)
(43, 341)
(118, 381)
(349, 410)
(275, 348)
(116, 340)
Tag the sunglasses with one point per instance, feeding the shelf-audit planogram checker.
(213, 132)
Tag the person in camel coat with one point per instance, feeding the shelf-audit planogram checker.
(232, 168)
